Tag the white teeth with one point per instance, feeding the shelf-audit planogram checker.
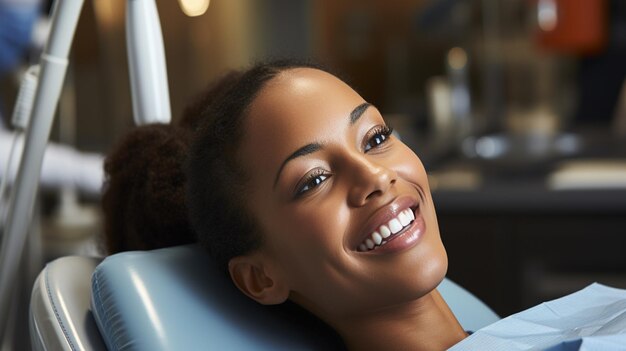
(395, 226)
(411, 214)
(404, 219)
(377, 238)
(384, 231)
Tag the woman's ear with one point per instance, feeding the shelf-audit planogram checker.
(254, 277)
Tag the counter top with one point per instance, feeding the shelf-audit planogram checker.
(530, 198)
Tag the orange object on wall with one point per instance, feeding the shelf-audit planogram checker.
(572, 26)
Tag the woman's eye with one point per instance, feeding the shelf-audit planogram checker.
(311, 182)
(378, 137)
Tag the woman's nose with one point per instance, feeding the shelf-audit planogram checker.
(368, 180)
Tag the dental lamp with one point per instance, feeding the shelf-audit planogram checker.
(151, 104)
(146, 60)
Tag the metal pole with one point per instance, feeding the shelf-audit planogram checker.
(54, 60)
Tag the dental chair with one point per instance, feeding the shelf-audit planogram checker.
(176, 299)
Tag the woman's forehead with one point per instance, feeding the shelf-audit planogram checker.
(302, 97)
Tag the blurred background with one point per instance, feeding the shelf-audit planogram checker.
(517, 109)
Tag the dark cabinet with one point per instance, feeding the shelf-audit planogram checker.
(516, 259)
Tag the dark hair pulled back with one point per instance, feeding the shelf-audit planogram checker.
(143, 197)
(152, 200)
(216, 185)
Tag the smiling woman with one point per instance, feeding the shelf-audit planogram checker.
(298, 189)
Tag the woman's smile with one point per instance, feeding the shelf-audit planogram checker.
(392, 228)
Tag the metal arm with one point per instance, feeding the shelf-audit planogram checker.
(53, 67)
(150, 104)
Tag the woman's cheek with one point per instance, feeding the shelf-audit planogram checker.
(409, 166)
(324, 219)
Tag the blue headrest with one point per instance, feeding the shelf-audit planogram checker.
(176, 299)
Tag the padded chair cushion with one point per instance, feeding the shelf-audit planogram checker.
(175, 299)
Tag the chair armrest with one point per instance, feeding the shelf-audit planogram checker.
(60, 318)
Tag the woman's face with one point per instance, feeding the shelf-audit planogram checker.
(327, 183)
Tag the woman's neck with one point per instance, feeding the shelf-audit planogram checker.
(424, 324)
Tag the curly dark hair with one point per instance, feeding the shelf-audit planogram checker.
(144, 198)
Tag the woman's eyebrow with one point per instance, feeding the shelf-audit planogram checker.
(313, 147)
(305, 150)
(358, 112)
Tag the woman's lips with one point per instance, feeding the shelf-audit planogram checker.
(389, 223)
(405, 239)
